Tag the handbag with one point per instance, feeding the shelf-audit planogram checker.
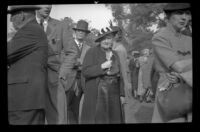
(175, 102)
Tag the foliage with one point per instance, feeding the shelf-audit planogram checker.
(135, 20)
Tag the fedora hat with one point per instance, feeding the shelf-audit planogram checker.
(105, 33)
(176, 6)
(82, 25)
(15, 8)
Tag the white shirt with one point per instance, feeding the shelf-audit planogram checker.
(78, 43)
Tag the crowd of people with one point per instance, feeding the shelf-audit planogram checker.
(56, 77)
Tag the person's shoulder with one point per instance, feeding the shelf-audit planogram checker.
(162, 32)
(53, 20)
(33, 27)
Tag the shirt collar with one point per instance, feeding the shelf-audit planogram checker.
(78, 42)
(39, 19)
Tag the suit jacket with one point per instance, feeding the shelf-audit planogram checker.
(69, 70)
(27, 76)
(61, 54)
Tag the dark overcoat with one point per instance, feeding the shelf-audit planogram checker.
(27, 76)
(92, 71)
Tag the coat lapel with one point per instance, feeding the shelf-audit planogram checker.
(51, 25)
(84, 49)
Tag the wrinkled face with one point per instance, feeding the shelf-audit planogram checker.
(107, 41)
(16, 19)
(80, 34)
(179, 19)
(45, 11)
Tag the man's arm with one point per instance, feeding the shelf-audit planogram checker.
(182, 65)
(27, 40)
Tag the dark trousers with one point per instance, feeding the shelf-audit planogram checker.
(27, 117)
(73, 101)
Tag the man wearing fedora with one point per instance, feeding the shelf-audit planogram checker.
(173, 57)
(74, 85)
(27, 73)
(61, 55)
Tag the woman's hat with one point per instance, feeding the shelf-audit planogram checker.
(12, 9)
(105, 33)
(176, 6)
(82, 25)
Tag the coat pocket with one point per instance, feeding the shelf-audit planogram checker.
(17, 80)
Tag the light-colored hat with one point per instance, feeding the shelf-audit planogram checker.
(12, 9)
(82, 25)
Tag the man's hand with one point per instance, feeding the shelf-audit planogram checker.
(106, 64)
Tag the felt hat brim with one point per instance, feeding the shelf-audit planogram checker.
(88, 31)
(12, 9)
(176, 6)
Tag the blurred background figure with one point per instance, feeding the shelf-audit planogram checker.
(144, 76)
(134, 70)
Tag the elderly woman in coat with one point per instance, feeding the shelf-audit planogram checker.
(104, 91)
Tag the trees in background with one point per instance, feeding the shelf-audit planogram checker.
(90, 38)
(136, 21)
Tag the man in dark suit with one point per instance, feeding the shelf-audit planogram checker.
(75, 81)
(27, 73)
(61, 59)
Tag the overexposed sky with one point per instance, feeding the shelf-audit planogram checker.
(97, 14)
